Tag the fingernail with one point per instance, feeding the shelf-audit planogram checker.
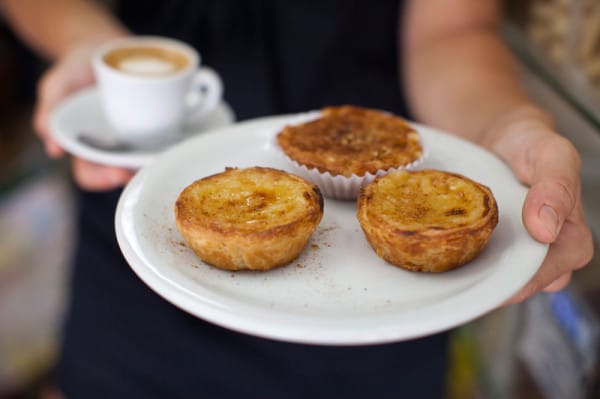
(549, 219)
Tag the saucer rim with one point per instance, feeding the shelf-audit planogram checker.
(67, 137)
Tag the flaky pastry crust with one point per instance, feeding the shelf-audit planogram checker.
(248, 219)
(427, 221)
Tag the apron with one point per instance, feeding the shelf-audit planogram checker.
(121, 340)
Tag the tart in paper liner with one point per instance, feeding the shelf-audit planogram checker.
(338, 186)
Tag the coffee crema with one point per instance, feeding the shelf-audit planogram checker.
(147, 60)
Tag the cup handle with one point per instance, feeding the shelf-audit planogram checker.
(205, 94)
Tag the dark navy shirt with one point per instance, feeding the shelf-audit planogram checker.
(275, 56)
(280, 56)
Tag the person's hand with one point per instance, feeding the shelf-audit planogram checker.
(71, 73)
(550, 165)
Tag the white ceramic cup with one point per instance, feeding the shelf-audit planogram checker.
(148, 99)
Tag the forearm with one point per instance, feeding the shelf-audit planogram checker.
(464, 79)
(53, 28)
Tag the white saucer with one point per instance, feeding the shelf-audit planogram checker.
(81, 113)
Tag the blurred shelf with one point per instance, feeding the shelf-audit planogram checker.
(578, 124)
(566, 80)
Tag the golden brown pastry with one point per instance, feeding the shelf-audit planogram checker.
(255, 218)
(429, 220)
(349, 140)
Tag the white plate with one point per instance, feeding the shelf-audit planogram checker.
(82, 113)
(338, 292)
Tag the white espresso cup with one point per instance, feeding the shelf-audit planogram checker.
(151, 86)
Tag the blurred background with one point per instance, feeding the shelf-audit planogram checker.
(36, 219)
(547, 347)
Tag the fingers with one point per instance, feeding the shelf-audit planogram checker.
(49, 93)
(94, 177)
(560, 283)
(531, 289)
(68, 75)
(62, 79)
(572, 249)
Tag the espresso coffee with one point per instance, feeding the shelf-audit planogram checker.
(152, 87)
(147, 60)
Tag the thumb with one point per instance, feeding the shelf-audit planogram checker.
(553, 196)
(547, 205)
(65, 77)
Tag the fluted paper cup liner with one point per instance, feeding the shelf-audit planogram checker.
(337, 186)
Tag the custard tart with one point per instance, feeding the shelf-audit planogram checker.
(253, 218)
(345, 147)
(428, 220)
